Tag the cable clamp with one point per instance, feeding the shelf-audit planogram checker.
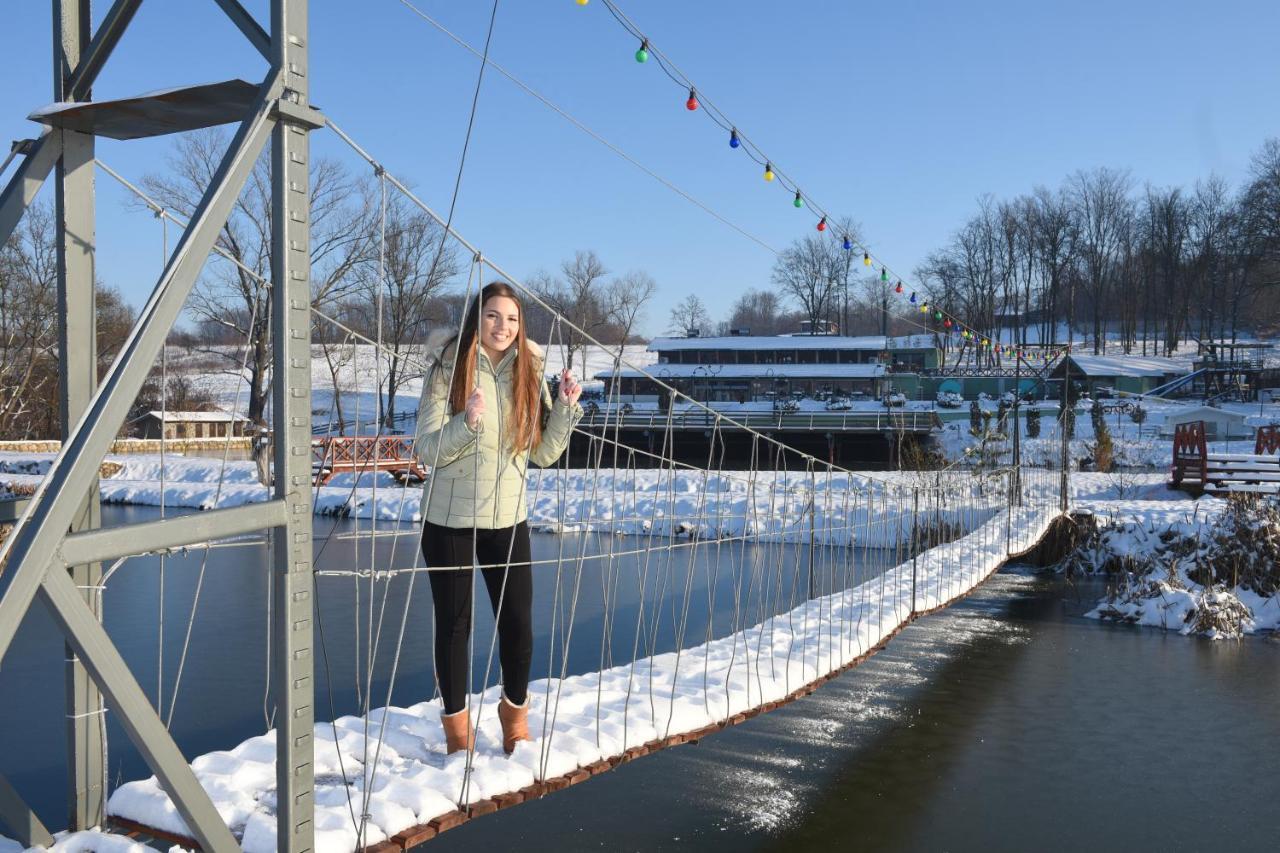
(86, 714)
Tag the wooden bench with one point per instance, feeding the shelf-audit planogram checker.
(1196, 470)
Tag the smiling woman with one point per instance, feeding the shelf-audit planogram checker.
(474, 506)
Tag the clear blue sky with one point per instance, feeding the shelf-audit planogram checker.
(898, 114)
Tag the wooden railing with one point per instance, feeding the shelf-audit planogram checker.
(882, 421)
(358, 454)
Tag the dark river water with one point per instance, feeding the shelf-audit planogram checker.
(1007, 722)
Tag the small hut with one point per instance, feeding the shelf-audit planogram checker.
(180, 425)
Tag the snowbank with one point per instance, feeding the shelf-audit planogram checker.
(1173, 568)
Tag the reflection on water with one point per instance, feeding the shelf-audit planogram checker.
(1007, 722)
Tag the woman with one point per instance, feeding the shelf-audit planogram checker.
(485, 414)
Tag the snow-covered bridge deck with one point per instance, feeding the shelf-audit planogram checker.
(583, 724)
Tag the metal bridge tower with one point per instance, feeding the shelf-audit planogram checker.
(57, 547)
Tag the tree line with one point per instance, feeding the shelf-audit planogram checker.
(1135, 269)
(1127, 268)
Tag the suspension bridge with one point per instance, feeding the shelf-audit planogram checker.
(717, 590)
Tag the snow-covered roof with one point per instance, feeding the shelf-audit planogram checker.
(765, 342)
(793, 342)
(208, 417)
(753, 371)
(1128, 365)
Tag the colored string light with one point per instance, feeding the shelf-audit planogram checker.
(735, 141)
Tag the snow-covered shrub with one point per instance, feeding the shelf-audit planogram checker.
(1220, 581)
(1244, 548)
(950, 400)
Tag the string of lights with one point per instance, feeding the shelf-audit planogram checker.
(943, 322)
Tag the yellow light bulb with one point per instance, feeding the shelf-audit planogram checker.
(583, 2)
(768, 173)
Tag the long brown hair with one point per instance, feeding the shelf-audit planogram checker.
(526, 403)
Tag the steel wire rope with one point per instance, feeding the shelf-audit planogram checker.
(682, 623)
(370, 651)
(587, 130)
(217, 499)
(164, 408)
(533, 296)
(568, 623)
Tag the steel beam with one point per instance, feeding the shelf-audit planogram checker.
(197, 528)
(19, 819)
(54, 505)
(75, 230)
(134, 711)
(291, 415)
(248, 26)
(104, 41)
(27, 180)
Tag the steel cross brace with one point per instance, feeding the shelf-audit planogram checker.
(43, 529)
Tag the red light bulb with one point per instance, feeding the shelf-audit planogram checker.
(692, 103)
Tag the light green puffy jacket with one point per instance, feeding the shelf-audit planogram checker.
(475, 480)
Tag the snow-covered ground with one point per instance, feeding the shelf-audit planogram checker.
(1146, 445)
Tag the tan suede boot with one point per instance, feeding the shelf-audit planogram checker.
(457, 731)
(515, 722)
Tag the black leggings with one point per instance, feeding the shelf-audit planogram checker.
(451, 592)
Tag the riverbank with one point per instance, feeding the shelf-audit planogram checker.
(1209, 568)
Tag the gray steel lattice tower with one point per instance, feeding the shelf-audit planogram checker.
(55, 548)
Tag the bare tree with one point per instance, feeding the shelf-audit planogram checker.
(625, 300)
(1101, 205)
(28, 328)
(236, 297)
(808, 272)
(689, 317)
(577, 297)
(762, 312)
(416, 268)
